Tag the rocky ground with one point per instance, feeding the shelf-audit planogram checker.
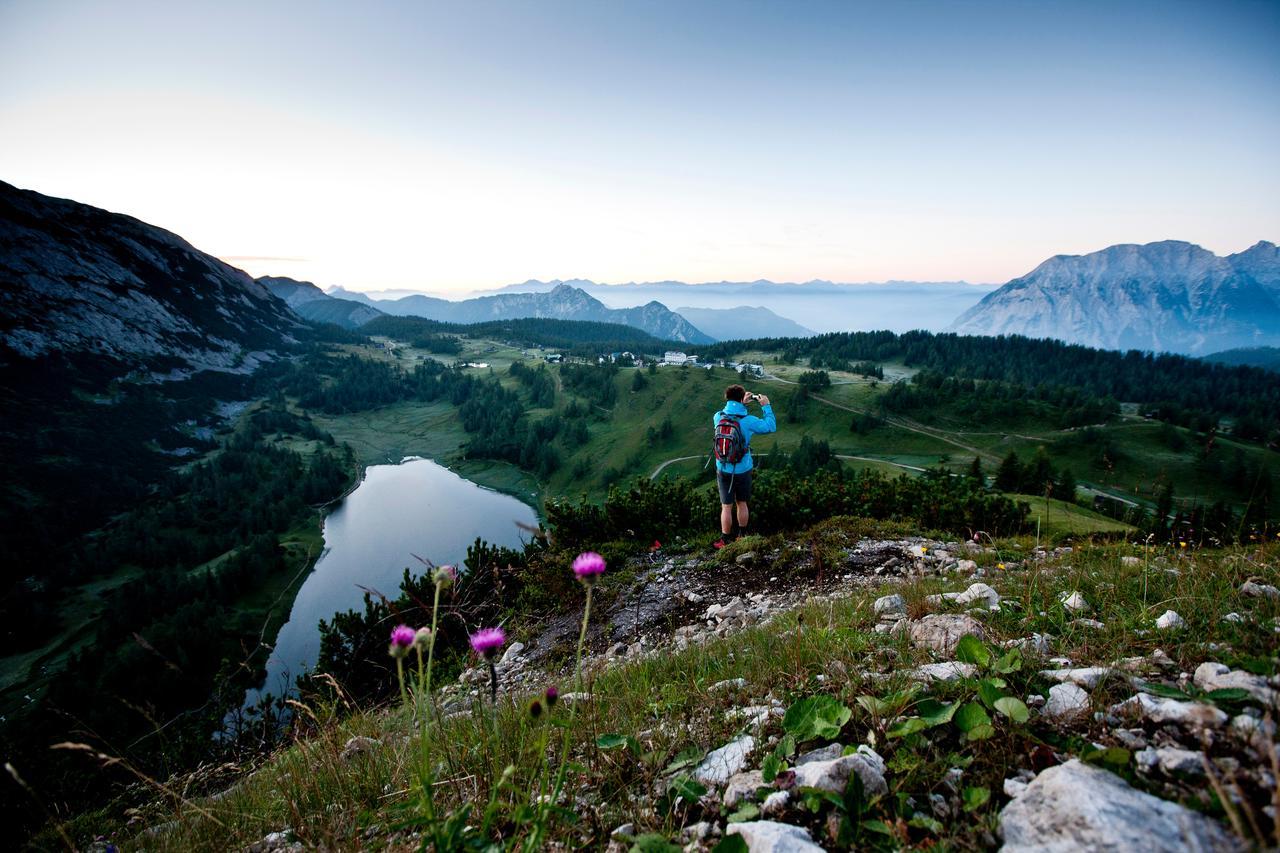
(849, 691)
(1179, 747)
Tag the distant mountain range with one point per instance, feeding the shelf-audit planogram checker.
(309, 301)
(562, 302)
(75, 279)
(1264, 357)
(1169, 296)
(742, 322)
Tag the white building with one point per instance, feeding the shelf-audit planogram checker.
(677, 358)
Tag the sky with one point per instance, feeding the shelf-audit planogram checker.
(455, 146)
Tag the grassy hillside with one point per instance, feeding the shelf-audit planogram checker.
(654, 716)
(662, 422)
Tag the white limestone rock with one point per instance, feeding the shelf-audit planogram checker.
(1074, 602)
(742, 786)
(1067, 702)
(722, 763)
(834, 775)
(1259, 590)
(1087, 677)
(950, 671)
(1173, 761)
(890, 605)
(1170, 621)
(768, 836)
(1215, 676)
(942, 631)
(1158, 709)
(1075, 807)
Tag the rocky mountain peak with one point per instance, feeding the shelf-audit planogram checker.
(1170, 296)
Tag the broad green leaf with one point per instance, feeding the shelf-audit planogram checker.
(970, 715)
(935, 713)
(1013, 708)
(1229, 694)
(748, 812)
(889, 705)
(731, 844)
(976, 798)
(989, 693)
(1009, 662)
(614, 741)
(909, 726)
(786, 747)
(980, 732)
(815, 717)
(971, 650)
(771, 766)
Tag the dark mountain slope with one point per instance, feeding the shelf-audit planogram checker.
(77, 279)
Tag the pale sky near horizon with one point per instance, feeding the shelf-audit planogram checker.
(468, 145)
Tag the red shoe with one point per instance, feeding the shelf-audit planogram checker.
(720, 543)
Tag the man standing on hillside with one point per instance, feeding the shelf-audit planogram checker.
(732, 450)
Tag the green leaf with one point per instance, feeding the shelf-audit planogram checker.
(687, 787)
(815, 717)
(786, 747)
(771, 766)
(980, 732)
(731, 844)
(971, 650)
(748, 812)
(1157, 689)
(909, 726)
(652, 842)
(1009, 662)
(1229, 694)
(923, 821)
(970, 715)
(989, 693)
(935, 713)
(613, 741)
(889, 705)
(1013, 708)
(877, 826)
(1116, 756)
(685, 758)
(975, 798)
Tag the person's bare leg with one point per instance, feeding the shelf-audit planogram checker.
(743, 517)
(726, 519)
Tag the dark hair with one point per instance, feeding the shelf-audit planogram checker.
(735, 392)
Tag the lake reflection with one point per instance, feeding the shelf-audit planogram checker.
(416, 507)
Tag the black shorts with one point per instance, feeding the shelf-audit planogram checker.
(734, 488)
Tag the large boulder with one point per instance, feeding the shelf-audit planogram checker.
(942, 631)
(1075, 807)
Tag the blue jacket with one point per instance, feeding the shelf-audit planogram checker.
(750, 425)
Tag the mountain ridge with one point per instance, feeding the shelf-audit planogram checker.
(564, 302)
(311, 303)
(1170, 295)
(78, 279)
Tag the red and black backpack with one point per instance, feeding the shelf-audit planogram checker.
(730, 444)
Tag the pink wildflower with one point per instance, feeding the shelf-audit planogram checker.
(588, 566)
(487, 641)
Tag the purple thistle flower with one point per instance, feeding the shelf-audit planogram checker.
(552, 696)
(588, 566)
(402, 637)
(487, 641)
